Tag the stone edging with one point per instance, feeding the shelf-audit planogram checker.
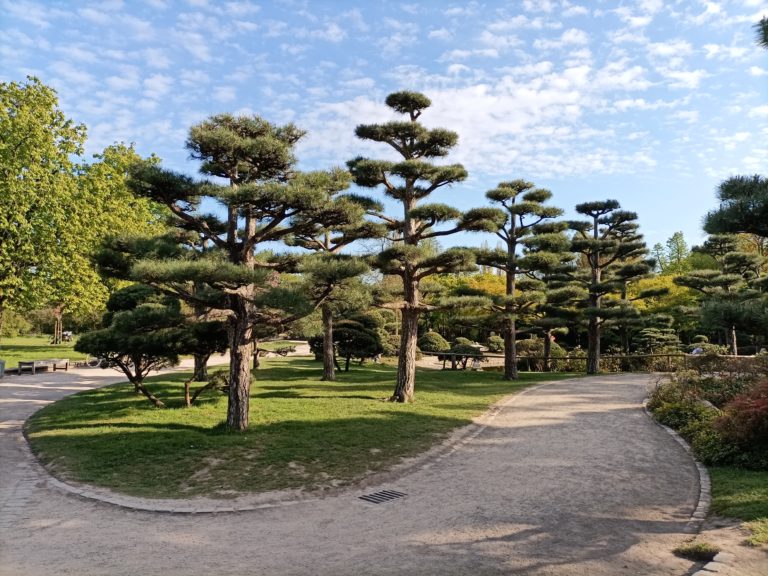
(272, 500)
(723, 559)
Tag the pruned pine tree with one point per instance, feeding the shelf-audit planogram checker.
(612, 254)
(331, 272)
(743, 207)
(529, 248)
(335, 276)
(261, 200)
(761, 30)
(410, 181)
(726, 289)
(142, 332)
(118, 254)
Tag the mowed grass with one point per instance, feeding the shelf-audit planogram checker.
(303, 433)
(742, 494)
(23, 348)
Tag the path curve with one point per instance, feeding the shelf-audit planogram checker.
(568, 478)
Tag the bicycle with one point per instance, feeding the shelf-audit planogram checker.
(95, 362)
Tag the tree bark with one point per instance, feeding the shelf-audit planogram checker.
(151, 397)
(187, 399)
(510, 332)
(241, 350)
(329, 373)
(406, 366)
(200, 373)
(547, 349)
(734, 345)
(593, 347)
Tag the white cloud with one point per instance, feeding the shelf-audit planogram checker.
(722, 52)
(758, 112)
(571, 37)
(538, 6)
(440, 34)
(194, 78)
(500, 42)
(77, 79)
(196, 44)
(240, 9)
(157, 86)
(359, 83)
(466, 54)
(673, 48)
(128, 80)
(156, 58)
(399, 35)
(690, 116)
(31, 12)
(757, 71)
(331, 32)
(570, 10)
(95, 16)
(224, 94)
(683, 78)
(711, 10)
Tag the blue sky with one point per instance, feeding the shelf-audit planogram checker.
(650, 102)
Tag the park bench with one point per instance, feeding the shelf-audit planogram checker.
(34, 365)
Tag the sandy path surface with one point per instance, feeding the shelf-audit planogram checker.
(568, 478)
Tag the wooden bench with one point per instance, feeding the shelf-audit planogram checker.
(34, 365)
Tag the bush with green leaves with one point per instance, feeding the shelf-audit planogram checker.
(530, 354)
(433, 342)
(744, 423)
(736, 435)
(495, 344)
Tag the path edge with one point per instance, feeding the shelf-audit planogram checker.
(455, 440)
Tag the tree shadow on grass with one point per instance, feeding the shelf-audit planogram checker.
(161, 459)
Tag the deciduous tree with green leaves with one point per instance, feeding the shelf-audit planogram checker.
(409, 181)
(55, 211)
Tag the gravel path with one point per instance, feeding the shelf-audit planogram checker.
(567, 478)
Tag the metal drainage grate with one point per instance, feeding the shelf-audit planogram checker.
(383, 496)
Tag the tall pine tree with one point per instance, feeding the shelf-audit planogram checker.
(261, 200)
(528, 247)
(612, 254)
(409, 181)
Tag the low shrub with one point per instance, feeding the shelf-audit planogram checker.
(736, 435)
(744, 423)
(495, 344)
(433, 342)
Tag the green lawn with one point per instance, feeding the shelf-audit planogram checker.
(303, 432)
(34, 348)
(742, 494)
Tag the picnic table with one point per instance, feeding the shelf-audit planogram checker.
(34, 365)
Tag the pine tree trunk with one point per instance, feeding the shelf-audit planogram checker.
(406, 365)
(510, 333)
(241, 351)
(510, 351)
(547, 349)
(734, 346)
(187, 398)
(151, 397)
(200, 373)
(593, 347)
(329, 373)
